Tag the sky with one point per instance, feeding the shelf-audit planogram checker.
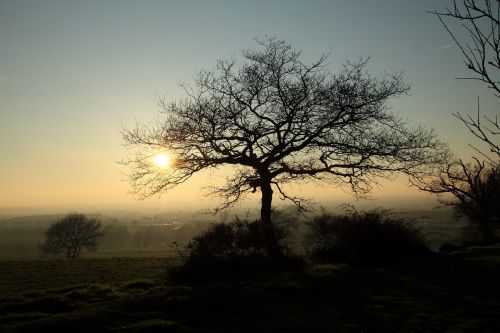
(74, 73)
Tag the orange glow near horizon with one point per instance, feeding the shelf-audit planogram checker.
(66, 91)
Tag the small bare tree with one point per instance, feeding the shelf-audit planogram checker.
(71, 234)
(277, 120)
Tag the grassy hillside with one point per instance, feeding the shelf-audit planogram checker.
(25, 276)
(448, 293)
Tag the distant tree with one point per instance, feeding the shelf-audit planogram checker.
(277, 120)
(71, 234)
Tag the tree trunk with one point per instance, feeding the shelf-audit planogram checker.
(267, 198)
(273, 248)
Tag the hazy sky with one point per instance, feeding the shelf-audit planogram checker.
(72, 72)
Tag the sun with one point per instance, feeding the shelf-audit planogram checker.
(161, 160)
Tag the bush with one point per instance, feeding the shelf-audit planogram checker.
(225, 250)
(364, 238)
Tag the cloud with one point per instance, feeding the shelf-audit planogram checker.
(447, 46)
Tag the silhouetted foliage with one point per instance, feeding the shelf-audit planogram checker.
(480, 203)
(228, 249)
(278, 120)
(71, 234)
(475, 188)
(369, 237)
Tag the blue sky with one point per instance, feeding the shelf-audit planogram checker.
(72, 72)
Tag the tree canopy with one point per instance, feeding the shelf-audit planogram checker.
(278, 120)
(71, 234)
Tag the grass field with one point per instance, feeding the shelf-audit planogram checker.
(446, 293)
(33, 276)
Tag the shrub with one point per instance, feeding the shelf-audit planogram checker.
(364, 238)
(225, 250)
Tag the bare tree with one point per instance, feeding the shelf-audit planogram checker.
(487, 133)
(475, 186)
(475, 189)
(480, 20)
(71, 234)
(277, 120)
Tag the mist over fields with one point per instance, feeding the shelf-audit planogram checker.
(151, 231)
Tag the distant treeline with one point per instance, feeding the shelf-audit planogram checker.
(131, 235)
(21, 236)
(155, 235)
